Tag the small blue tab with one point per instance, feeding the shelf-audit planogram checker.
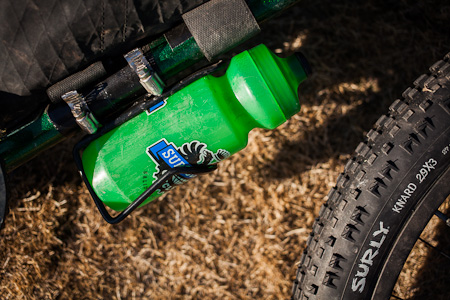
(156, 107)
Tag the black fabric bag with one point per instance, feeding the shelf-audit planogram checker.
(45, 41)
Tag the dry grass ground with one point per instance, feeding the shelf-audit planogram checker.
(236, 233)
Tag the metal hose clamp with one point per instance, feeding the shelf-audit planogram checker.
(83, 116)
(148, 77)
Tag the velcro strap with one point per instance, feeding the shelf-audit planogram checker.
(219, 25)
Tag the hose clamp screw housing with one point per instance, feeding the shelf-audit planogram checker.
(83, 116)
(148, 77)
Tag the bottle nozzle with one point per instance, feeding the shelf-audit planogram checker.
(304, 62)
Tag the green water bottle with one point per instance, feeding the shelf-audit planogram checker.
(203, 123)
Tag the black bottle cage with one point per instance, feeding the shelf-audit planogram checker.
(143, 103)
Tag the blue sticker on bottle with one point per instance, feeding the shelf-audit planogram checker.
(168, 156)
(162, 151)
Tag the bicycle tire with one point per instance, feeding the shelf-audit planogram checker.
(390, 188)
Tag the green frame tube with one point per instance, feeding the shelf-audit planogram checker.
(27, 142)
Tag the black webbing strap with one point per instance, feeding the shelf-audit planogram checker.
(219, 25)
(76, 81)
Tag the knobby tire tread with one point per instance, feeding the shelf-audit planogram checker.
(355, 205)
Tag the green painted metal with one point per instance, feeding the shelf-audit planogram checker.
(28, 141)
(171, 61)
(265, 9)
(203, 123)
